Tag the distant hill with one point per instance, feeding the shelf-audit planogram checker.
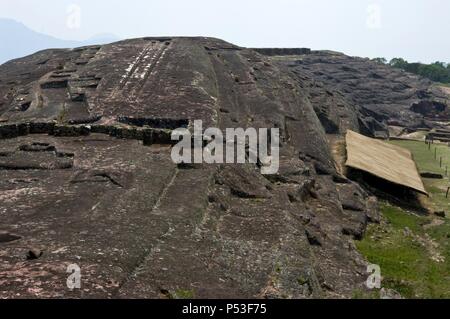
(17, 40)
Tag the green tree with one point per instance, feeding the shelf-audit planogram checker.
(398, 63)
(380, 60)
(437, 71)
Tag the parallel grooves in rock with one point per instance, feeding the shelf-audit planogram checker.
(148, 255)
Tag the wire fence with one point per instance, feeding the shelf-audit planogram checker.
(440, 159)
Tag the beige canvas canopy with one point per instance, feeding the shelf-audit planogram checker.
(392, 163)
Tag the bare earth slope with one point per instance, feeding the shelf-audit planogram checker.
(86, 176)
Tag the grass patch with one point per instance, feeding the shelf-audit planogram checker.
(399, 219)
(406, 264)
(426, 162)
(360, 294)
(401, 245)
(424, 157)
(184, 294)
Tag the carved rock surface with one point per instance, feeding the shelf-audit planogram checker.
(363, 95)
(86, 175)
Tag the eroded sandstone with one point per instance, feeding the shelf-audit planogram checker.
(86, 176)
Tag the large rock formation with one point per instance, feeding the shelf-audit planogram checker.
(86, 176)
(360, 94)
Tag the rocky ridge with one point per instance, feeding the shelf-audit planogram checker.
(87, 178)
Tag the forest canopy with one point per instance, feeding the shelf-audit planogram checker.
(437, 71)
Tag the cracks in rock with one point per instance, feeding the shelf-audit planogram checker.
(105, 177)
(165, 190)
(242, 194)
(140, 264)
(6, 237)
(147, 255)
(112, 180)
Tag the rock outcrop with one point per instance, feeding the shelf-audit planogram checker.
(86, 176)
(363, 95)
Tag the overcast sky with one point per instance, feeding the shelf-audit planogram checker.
(417, 30)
